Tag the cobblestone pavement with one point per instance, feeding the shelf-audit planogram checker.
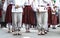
(53, 33)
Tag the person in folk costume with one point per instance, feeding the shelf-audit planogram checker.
(49, 9)
(49, 15)
(42, 17)
(54, 16)
(3, 23)
(34, 7)
(8, 16)
(1, 10)
(28, 15)
(17, 12)
(58, 6)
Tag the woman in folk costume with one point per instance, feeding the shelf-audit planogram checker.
(49, 8)
(17, 11)
(34, 7)
(58, 6)
(54, 17)
(0, 11)
(49, 15)
(3, 23)
(8, 8)
(42, 17)
(28, 15)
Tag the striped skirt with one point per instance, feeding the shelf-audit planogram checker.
(8, 17)
(28, 16)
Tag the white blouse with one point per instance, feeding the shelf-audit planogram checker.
(41, 2)
(35, 5)
(42, 6)
(28, 2)
(20, 3)
(6, 3)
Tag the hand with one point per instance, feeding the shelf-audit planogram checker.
(38, 11)
(16, 6)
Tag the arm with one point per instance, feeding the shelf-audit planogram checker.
(5, 5)
(16, 4)
(45, 1)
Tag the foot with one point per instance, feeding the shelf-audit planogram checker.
(12, 30)
(48, 26)
(19, 33)
(45, 31)
(9, 32)
(15, 34)
(39, 33)
(58, 26)
(18, 29)
(27, 31)
(53, 28)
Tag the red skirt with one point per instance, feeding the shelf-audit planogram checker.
(8, 17)
(54, 20)
(28, 15)
(0, 13)
(58, 19)
(49, 16)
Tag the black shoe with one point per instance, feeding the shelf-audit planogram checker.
(12, 31)
(39, 33)
(9, 32)
(15, 34)
(53, 28)
(58, 26)
(42, 34)
(18, 29)
(46, 31)
(19, 34)
(27, 31)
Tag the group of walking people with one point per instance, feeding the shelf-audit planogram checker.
(36, 13)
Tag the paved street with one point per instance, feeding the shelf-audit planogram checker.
(52, 34)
